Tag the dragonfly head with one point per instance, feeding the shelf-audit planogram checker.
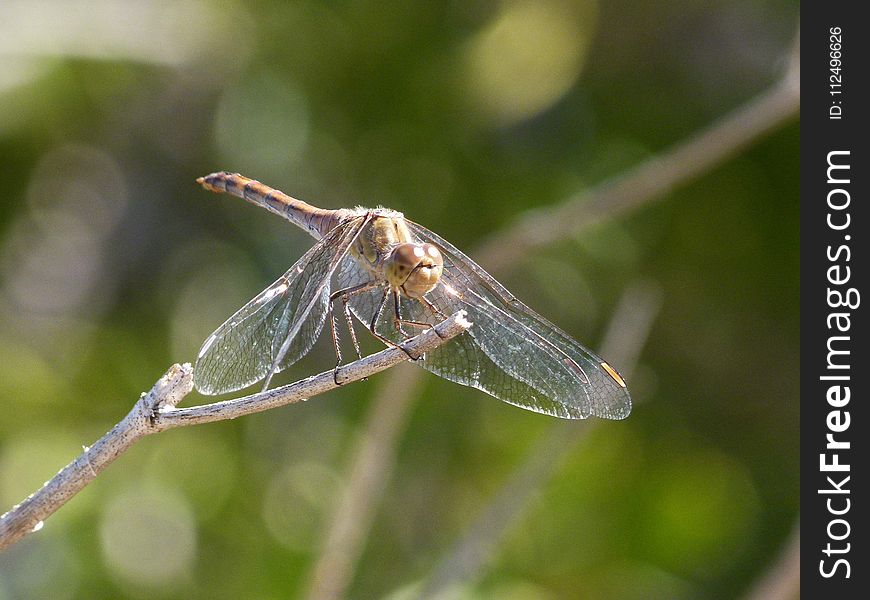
(414, 268)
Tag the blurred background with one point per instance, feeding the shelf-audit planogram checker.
(465, 116)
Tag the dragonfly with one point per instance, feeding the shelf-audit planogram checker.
(377, 257)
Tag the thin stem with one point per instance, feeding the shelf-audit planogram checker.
(171, 417)
(155, 412)
(29, 515)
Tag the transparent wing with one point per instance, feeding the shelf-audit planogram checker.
(279, 326)
(510, 352)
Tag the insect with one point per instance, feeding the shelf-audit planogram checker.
(397, 277)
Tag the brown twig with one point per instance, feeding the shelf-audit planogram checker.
(155, 412)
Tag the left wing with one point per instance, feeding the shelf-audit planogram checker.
(278, 326)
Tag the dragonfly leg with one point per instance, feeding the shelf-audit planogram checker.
(398, 318)
(345, 295)
(335, 344)
(399, 321)
(373, 327)
(349, 322)
(434, 309)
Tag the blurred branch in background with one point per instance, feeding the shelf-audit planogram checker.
(782, 581)
(156, 412)
(623, 342)
(651, 180)
(374, 459)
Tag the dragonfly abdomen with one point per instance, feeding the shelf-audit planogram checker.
(316, 221)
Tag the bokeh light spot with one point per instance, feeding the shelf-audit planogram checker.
(41, 566)
(528, 57)
(261, 125)
(148, 536)
(76, 197)
(204, 467)
(31, 457)
(296, 503)
(702, 511)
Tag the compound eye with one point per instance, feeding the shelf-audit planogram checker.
(431, 256)
(402, 262)
(426, 273)
(406, 257)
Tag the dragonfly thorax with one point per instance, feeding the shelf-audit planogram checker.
(390, 253)
(414, 269)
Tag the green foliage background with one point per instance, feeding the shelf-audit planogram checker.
(463, 115)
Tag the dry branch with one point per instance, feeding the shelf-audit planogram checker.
(156, 411)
